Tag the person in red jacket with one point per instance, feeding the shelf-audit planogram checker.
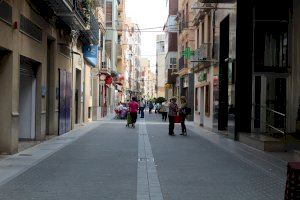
(133, 109)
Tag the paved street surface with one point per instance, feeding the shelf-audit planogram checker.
(106, 160)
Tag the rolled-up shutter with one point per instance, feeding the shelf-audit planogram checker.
(27, 70)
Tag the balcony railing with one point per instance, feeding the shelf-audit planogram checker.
(171, 76)
(181, 63)
(91, 35)
(73, 12)
(82, 10)
(183, 25)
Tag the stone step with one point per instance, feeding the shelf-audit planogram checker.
(262, 142)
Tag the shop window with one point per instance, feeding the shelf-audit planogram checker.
(271, 47)
(207, 100)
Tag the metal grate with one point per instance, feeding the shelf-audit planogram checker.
(31, 29)
(5, 12)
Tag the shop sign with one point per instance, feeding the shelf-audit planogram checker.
(108, 80)
(202, 77)
(90, 53)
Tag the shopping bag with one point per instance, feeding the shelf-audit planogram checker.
(177, 119)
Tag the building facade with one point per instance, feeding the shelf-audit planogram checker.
(160, 65)
(42, 64)
(246, 69)
(171, 50)
(186, 42)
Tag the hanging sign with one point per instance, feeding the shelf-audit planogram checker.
(90, 53)
(108, 80)
(202, 77)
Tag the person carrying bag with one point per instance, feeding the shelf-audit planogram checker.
(183, 112)
(173, 109)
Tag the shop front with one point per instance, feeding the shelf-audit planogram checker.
(203, 108)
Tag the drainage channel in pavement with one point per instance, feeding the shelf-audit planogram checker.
(148, 186)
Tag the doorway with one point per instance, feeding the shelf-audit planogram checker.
(50, 88)
(202, 106)
(27, 98)
(223, 75)
(65, 98)
(78, 97)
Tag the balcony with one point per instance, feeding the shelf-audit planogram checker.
(104, 69)
(181, 63)
(73, 12)
(91, 35)
(183, 25)
(171, 76)
(98, 3)
(200, 10)
(120, 51)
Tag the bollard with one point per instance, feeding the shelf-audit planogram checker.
(292, 188)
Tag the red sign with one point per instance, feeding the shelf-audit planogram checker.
(108, 80)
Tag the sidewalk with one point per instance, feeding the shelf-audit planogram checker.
(289, 156)
(13, 165)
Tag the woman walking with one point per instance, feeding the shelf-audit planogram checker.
(133, 110)
(173, 109)
(183, 113)
(164, 112)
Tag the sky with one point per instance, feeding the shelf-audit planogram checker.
(148, 14)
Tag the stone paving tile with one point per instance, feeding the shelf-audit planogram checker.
(194, 168)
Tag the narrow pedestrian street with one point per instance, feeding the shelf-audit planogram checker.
(106, 160)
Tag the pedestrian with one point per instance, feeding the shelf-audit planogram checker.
(163, 110)
(133, 109)
(151, 106)
(183, 112)
(173, 109)
(139, 101)
(142, 107)
(157, 107)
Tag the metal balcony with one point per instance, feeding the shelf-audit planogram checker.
(181, 63)
(91, 35)
(171, 76)
(72, 12)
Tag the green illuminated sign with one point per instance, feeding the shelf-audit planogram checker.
(187, 53)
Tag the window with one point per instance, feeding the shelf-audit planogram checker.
(202, 32)
(109, 14)
(172, 63)
(89, 112)
(196, 99)
(271, 47)
(187, 14)
(207, 100)
(198, 38)
(209, 29)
